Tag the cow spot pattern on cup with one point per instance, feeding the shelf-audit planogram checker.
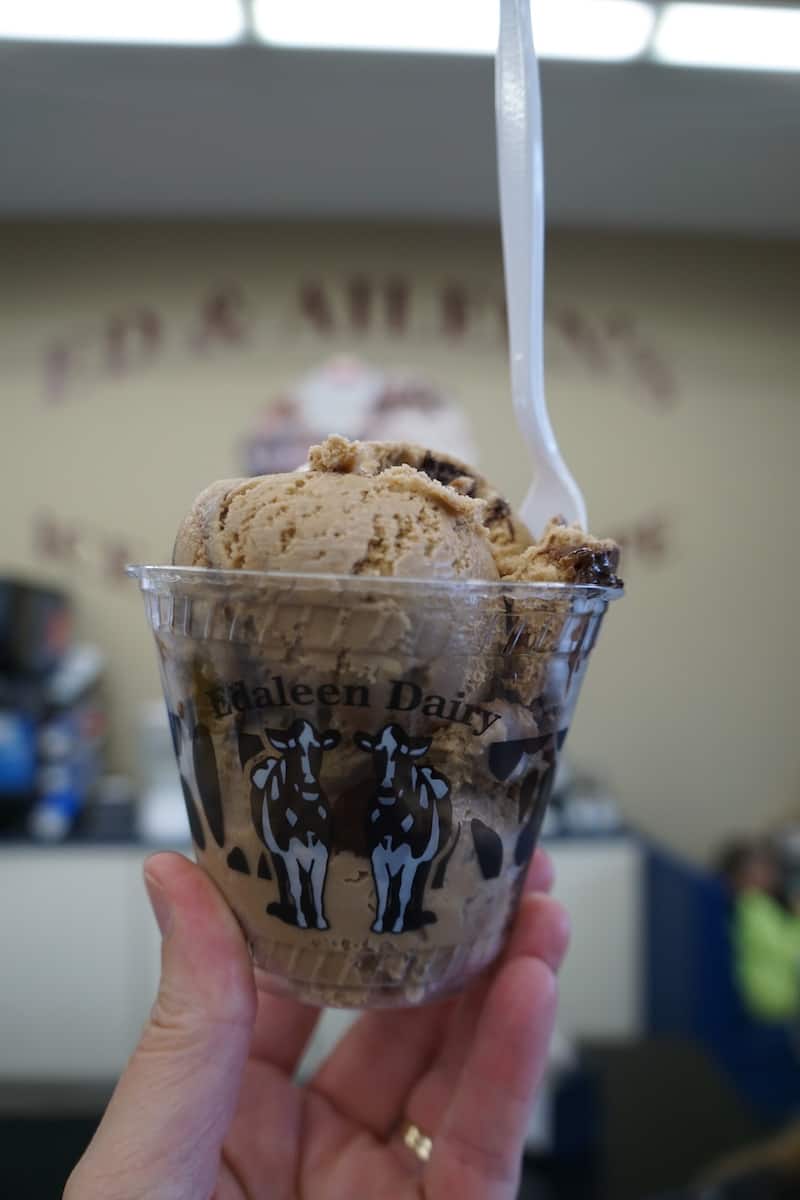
(408, 824)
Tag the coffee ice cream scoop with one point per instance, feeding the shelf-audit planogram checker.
(385, 509)
(338, 519)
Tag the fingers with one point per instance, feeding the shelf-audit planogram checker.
(541, 873)
(389, 1049)
(164, 1127)
(284, 1027)
(477, 1147)
(282, 1030)
(374, 1068)
(370, 1073)
(541, 932)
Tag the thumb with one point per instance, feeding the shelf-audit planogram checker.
(163, 1130)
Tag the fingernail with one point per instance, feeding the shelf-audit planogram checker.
(159, 901)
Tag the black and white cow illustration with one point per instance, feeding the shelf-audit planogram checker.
(404, 830)
(295, 821)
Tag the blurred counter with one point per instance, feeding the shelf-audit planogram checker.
(83, 951)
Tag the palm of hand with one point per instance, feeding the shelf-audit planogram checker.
(337, 1139)
(463, 1070)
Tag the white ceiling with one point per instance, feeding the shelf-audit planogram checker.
(246, 130)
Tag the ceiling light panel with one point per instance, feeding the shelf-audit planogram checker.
(181, 22)
(609, 30)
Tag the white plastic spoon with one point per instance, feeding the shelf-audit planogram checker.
(519, 154)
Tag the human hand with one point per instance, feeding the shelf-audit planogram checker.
(207, 1106)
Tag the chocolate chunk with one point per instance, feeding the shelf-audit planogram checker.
(586, 565)
(489, 849)
(445, 472)
(195, 824)
(263, 868)
(205, 772)
(498, 510)
(237, 861)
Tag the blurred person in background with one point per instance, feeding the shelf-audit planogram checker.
(765, 932)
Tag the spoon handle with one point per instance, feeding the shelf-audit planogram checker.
(521, 174)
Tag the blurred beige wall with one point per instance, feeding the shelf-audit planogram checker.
(673, 369)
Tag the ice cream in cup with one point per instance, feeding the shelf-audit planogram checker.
(370, 669)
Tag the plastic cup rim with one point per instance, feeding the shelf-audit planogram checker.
(218, 576)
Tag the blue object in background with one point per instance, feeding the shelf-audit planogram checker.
(17, 754)
(70, 745)
(60, 800)
(691, 989)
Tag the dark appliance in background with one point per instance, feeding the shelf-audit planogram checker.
(52, 721)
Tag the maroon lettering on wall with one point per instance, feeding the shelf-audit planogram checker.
(650, 367)
(455, 307)
(582, 337)
(620, 326)
(54, 539)
(359, 297)
(397, 298)
(116, 555)
(656, 375)
(132, 337)
(57, 366)
(223, 318)
(650, 539)
(77, 545)
(315, 307)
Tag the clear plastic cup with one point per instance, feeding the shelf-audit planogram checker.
(366, 762)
